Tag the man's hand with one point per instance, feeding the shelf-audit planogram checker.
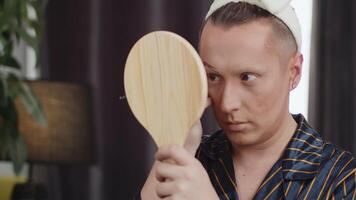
(155, 182)
(193, 139)
(181, 176)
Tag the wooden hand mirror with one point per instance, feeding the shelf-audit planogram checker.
(166, 86)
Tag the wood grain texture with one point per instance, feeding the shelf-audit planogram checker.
(165, 85)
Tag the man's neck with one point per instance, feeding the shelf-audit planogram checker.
(268, 151)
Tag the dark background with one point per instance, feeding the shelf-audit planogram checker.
(88, 41)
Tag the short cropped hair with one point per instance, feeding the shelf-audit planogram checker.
(240, 13)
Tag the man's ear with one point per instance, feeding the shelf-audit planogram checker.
(295, 70)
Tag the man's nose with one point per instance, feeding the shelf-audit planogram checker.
(231, 98)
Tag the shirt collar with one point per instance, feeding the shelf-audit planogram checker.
(302, 157)
(216, 146)
(300, 161)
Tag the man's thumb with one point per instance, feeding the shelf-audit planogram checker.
(193, 139)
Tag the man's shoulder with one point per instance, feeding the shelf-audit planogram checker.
(331, 159)
(341, 162)
(339, 168)
(333, 152)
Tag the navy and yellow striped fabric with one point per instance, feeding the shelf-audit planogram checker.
(310, 168)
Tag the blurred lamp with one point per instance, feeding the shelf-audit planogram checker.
(68, 137)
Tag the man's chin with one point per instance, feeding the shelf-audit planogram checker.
(241, 138)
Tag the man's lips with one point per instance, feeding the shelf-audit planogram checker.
(236, 126)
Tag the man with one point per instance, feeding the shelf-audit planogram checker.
(251, 52)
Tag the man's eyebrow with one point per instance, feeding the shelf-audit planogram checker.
(208, 65)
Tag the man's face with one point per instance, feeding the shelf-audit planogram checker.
(248, 81)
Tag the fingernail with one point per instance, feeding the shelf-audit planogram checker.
(208, 102)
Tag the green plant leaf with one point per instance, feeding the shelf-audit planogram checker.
(5, 35)
(18, 11)
(21, 89)
(36, 26)
(14, 88)
(14, 26)
(3, 90)
(4, 144)
(10, 119)
(5, 150)
(9, 61)
(3, 21)
(23, 9)
(35, 23)
(12, 146)
(30, 40)
(18, 154)
(8, 46)
(32, 105)
(3, 43)
(10, 8)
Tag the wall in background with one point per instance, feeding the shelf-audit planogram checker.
(299, 98)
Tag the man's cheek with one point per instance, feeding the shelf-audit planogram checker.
(214, 103)
(219, 115)
(215, 94)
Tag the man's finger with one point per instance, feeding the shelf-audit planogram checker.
(208, 102)
(167, 171)
(175, 153)
(165, 189)
(193, 139)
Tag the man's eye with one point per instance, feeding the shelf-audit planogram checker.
(213, 77)
(248, 77)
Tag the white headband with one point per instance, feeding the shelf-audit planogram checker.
(280, 8)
